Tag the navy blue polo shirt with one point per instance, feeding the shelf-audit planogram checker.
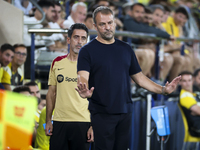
(110, 67)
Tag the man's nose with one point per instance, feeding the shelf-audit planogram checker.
(107, 26)
(10, 59)
(79, 41)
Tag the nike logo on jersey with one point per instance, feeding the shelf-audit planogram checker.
(60, 68)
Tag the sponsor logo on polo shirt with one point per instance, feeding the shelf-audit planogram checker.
(70, 79)
(60, 78)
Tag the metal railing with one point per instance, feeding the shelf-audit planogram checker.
(117, 33)
(94, 32)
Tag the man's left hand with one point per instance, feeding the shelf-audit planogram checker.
(170, 87)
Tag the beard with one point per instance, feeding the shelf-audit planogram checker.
(76, 51)
(77, 48)
(108, 35)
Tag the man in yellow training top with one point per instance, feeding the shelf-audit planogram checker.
(71, 121)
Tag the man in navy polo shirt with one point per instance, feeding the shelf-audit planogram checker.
(105, 66)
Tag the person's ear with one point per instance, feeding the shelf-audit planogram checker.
(68, 40)
(95, 26)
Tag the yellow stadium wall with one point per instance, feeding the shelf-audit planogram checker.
(11, 24)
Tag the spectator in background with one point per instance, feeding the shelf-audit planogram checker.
(191, 30)
(6, 56)
(134, 23)
(119, 24)
(89, 25)
(13, 75)
(42, 103)
(168, 60)
(158, 12)
(22, 90)
(33, 88)
(189, 103)
(42, 141)
(24, 5)
(102, 3)
(49, 10)
(60, 12)
(166, 14)
(89, 21)
(196, 80)
(97, 3)
(148, 17)
(36, 93)
(127, 9)
(55, 44)
(173, 26)
(59, 39)
(78, 15)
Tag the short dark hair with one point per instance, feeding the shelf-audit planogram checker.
(113, 4)
(19, 45)
(45, 4)
(137, 4)
(157, 6)
(57, 4)
(166, 8)
(22, 88)
(196, 72)
(185, 73)
(182, 10)
(6, 46)
(89, 15)
(31, 83)
(148, 10)
(77, 26)
(97, 1)
(103, 10)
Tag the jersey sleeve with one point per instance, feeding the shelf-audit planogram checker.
(84, 61)
(187, 100)
(52, 77)
(6, 78)
(134, 67)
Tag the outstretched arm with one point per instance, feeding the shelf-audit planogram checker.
(82, 85)
(146, 83)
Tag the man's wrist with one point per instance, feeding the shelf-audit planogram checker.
(48, 121)
(163, 90)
